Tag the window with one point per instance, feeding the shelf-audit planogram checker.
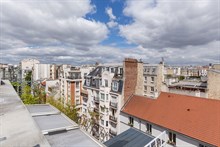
(121, 70)
(152, 79)
(131, 121)
(172, 138)
(152, 89)
(102, 96)
(107, 68)
(87, 82)
(115, 86)
(112, 70)
(77, 84)
(145, 88)
(145, 69)
(153, 70)
(149, 128)
(102, 122)
(106, 97)
(106, 83)
(106, 123)
(102, 109)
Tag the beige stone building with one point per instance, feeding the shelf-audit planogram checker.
(213, 84)
(152, 79)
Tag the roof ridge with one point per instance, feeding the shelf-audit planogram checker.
(189, 96)
(127, 101)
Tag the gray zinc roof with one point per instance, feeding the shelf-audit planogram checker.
(130, 138)
(17, 126)
(59, 129)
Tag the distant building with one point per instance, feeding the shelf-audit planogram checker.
(153, 78)
(187, 87)
(40, 71)
(184, 120)
(26, 66)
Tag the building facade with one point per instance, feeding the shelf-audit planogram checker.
(103, 99)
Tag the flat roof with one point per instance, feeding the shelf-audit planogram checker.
(17, 126)
(130, 138)
(59, 129)
(71, 138)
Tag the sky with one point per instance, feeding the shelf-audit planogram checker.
(183, 32)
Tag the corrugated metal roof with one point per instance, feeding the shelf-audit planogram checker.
(130, 138)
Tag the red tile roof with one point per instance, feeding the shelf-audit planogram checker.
(196, 117)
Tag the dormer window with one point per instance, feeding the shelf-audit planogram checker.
(87, 82)
(115, 86)
(112, 70)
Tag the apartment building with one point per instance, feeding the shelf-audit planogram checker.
(40, 71)
(172, 71)
(187, 87)
(153, 76)
(9, 72)
(103, 97)
(26, 66)
(173, 119)
(70, 85)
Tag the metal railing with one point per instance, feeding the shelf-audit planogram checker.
(159, 141)
(114, 105)
(112, 118)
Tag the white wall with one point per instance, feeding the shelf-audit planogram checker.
(181, 140)
(41, 71)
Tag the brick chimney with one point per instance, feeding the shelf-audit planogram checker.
(133, 78)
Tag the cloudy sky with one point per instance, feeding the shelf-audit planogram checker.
(88, 31)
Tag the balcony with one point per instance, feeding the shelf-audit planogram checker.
(74, 77)
(112, 132)
(113, 105)
(113, 119)
(96, 99)
(96, 110)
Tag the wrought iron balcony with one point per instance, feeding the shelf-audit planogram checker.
(112, 132)
(96, 110)
(114, 105)
(113, 119)
(96, 99)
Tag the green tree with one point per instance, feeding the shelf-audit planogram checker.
(69, 111)
(28, 76)
(26, 96)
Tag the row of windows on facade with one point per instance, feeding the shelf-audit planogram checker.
(151, 88)
(171, 135)
(112, 69)
(148, 70)
(114, 84)
(152, 79)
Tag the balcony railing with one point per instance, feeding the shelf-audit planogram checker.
(112, 132)
(96, 110)
(159, 141)
(113, 119)
(113, 105)
(96, 99)
(74, 77)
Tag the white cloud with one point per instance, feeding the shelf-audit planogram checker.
(168, 23)
(34, 23)
(112, 23)
(108, 10)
